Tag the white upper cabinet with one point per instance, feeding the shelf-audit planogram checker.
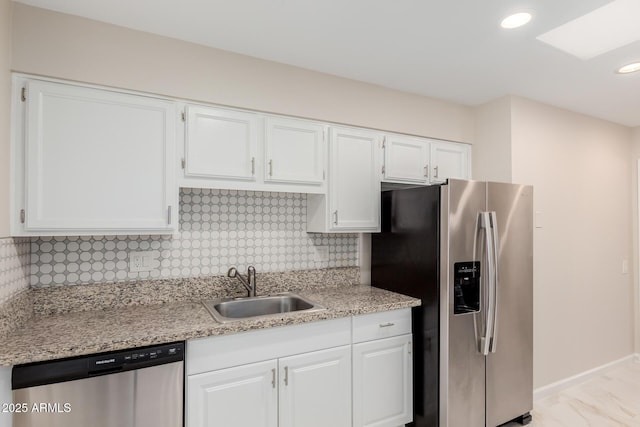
(92, 161)
(449, 160)
(406, 159)
(242, 150)
(354, 188)
(353, 201)
(294, 151)
(221, 143)
(423, 161)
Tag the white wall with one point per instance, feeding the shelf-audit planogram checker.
(69, 47)
(635, 174)
(5, 90)
(580, 169)
(492, 143)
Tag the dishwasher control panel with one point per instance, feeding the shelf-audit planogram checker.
(41, 373)
(165, 353)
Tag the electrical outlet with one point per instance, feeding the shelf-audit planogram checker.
(322, 253)
(141, 261)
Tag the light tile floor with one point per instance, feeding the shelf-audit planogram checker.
(611, 399)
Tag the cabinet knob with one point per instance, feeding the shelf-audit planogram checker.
(335, 217)
(253, 166)
(270, 167)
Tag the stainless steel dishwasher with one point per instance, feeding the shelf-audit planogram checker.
(142, 387)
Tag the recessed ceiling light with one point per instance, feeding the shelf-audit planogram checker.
(629, 68)
(516, 20)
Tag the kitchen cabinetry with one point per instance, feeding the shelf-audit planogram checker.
(221, 143)
(303, 375)
(449, 160)
(95, 161)
(382, 369)
(300, 373)
(406, 159)
(92, 161)
(353, 200)
(315, 389)
(241, 396)
(423, 161)
(310, 389)
(242, 150)
(294, 151)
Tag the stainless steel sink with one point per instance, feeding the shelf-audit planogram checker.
(232, 309)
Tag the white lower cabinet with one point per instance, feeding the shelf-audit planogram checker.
(339, 373)
(315, 389)
(311, 389)
(382, 382)
(382, 369)
(235, 397)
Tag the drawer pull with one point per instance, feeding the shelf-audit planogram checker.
(386, 325)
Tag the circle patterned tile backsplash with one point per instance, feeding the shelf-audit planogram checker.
(218, 229)
(14, 262)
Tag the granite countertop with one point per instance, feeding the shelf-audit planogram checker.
(47, 336)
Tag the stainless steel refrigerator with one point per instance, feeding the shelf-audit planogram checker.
(466, 249)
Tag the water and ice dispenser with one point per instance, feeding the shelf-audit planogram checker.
(466, 281)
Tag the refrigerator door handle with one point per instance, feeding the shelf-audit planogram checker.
(495, 241)
(479, 318)
(484, 222)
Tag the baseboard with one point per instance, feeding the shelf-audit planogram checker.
(558, 386)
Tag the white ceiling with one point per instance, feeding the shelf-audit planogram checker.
(448, 49)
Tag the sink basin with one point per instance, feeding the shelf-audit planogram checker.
(230, 309)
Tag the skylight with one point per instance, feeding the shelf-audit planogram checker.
(607, 28)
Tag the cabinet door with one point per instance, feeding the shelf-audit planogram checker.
(221, 143)
(98, 161)
(236, 397)
(294, 151)
(354, 188)
(449, 160)
(315, 389)
(406, 159)
(382, 382)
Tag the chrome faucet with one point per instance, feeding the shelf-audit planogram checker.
(249, 283)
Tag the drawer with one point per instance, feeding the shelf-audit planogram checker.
(385, 324)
